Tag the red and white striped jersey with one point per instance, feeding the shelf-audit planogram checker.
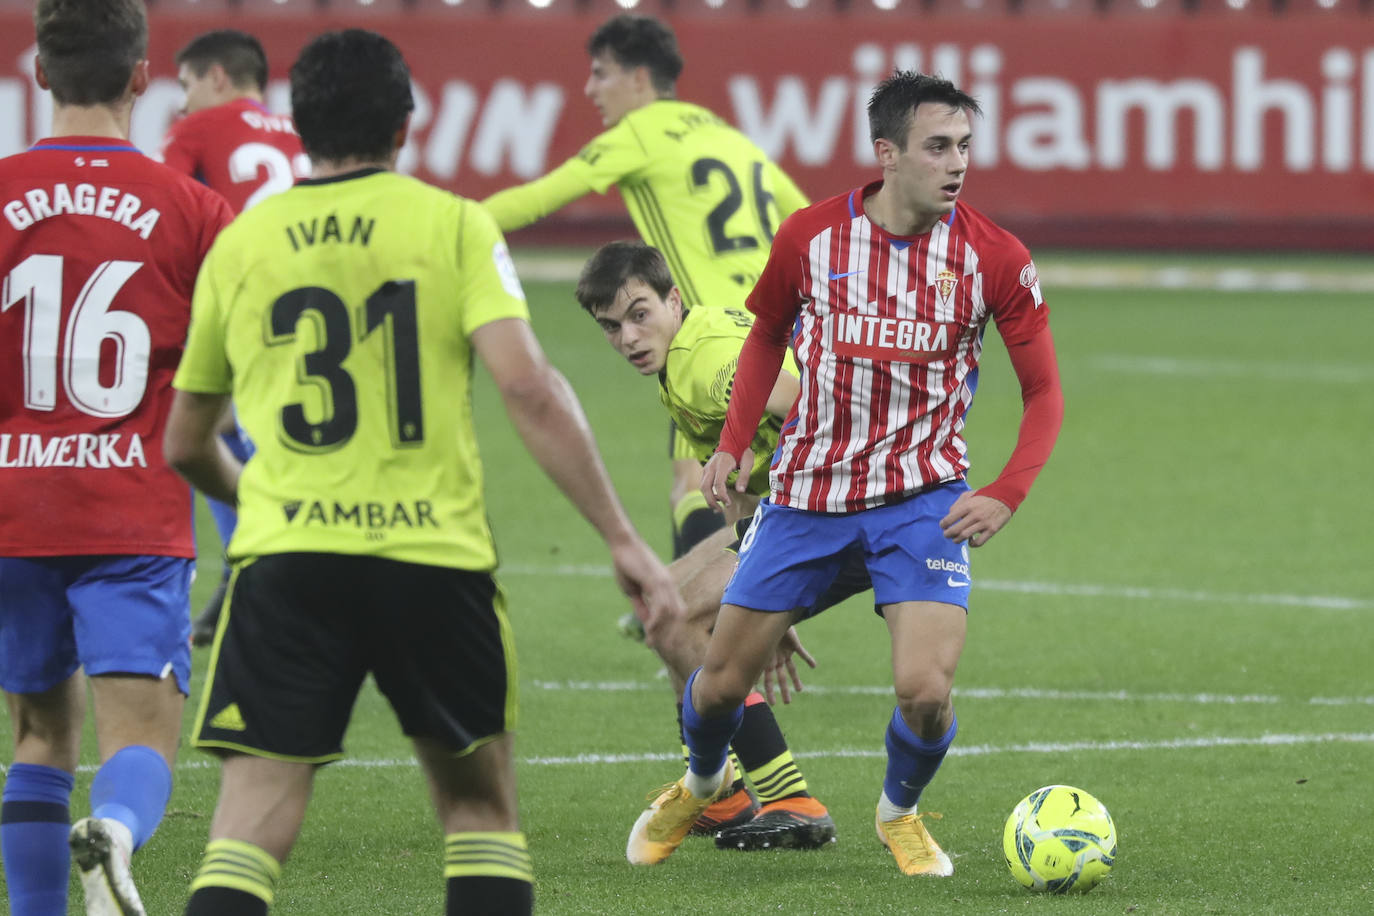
(887, 331)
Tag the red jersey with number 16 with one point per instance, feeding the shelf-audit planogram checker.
(887, 331)
(99, 249)
(239, 149)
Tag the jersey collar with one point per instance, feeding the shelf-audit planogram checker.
(87, 144)
(346, 176)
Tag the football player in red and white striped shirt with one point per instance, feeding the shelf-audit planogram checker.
(883, 293)
(99, 250)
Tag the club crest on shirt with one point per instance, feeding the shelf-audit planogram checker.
(945, 282)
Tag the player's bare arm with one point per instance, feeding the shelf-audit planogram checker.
(192, 445)
(550, 422)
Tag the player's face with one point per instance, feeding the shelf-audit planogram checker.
(201, 91)
(929, 174)
(640, 324)
(615, 90)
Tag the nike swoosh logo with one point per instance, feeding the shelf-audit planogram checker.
(958, 583)
(835, 276)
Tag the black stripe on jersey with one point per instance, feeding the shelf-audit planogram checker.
(661, 237)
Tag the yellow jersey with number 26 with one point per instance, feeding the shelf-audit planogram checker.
(697, 189)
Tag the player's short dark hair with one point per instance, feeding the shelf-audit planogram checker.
(640, 41)
(613, 265)
(350, 94)
(894, 101)
(89, 48)
(240, 54)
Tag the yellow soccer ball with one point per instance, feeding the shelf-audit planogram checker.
(1060, 840)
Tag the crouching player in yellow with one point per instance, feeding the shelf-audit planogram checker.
(628, 288)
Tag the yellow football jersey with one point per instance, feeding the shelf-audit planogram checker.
(695, 384)
(337, 314)
(697, 189)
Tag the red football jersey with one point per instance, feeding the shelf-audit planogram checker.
(887, 331)
(239, 149)
(99, 249)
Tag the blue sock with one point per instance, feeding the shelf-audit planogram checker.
(708, 740)
(912, 761)
(34, 822)
(133, 787)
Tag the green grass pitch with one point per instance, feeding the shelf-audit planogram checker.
(1180, 620)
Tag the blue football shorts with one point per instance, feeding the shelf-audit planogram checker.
(790, 557)
(107, 614)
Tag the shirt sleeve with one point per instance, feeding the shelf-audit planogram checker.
(178, 153)
(517, 207)
(775, 302)
(218, 215)
(1014, 294)
(204, 367)
(489, 288)
(612, 156)
(1042, 415)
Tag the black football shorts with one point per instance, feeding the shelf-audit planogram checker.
(302, 630)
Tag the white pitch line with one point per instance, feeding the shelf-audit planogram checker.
(985, 750)
(1217, 368)
(1083, 590)
(995, 693)
(977, 750)
(1145, 593)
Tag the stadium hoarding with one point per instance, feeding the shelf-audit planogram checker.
(1226, 131)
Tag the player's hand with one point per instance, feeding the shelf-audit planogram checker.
(649, 586)
(780, 675)
(975, 519)
(716, 474)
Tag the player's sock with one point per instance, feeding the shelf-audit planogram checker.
(488, 873)
(235, 878)
(762, 751)
(708, 740)
(34, 821)
(911, 764)
(693, 522)
(734, 756)
(133, 787)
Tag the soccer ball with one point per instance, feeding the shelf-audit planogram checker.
(1059, 839)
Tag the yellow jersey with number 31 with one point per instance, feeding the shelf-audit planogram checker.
(698, 190)
(337, 314)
